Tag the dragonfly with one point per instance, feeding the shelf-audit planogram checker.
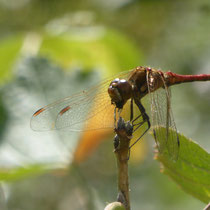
(96, 107)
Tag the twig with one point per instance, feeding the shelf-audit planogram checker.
(207, 207)
(121, 143)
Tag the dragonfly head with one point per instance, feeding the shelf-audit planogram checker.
(120, 90)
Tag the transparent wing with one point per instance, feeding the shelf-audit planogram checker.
(162, 117)
(89, 109)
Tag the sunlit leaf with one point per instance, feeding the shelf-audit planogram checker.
(9, 52)
(37, 82)
(105, 49)
(17, 173)
(192, 169)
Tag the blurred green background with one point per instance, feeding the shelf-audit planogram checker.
(51, 49)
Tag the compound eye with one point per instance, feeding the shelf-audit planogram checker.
(120, 91)
(116, 80)
(123, 81)
(125, 89)
(114, 83)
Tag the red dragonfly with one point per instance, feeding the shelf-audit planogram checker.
(91, 109)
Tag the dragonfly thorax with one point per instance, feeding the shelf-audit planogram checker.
(120, 90)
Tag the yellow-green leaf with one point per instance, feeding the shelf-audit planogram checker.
(192, 169)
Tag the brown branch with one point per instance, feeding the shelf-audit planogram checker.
(121, 143)
(207, 207)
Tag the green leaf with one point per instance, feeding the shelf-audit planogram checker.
(192, 169)
(17, 173)
(9, 51)
(40, 81)
(103, 49)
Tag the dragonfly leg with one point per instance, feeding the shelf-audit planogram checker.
(138, 125)
(131, 115)
(143, 112)
(135, 120)
(145, 119)
(115, 117)
(139, 138)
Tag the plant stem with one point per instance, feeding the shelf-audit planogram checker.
(121, 144)
(207, 207)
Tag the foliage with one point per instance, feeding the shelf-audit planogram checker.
(192, 169)
(37, 81)
(39, 67)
